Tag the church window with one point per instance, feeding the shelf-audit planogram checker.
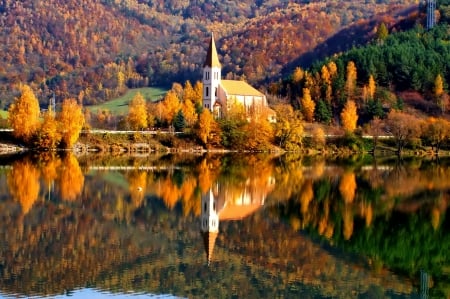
(215, 92)
(207, 75)
(204, 207)
(207, 91)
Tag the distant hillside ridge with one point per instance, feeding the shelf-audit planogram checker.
(95, 50)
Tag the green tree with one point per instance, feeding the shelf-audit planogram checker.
(323, 112)
(179, 121)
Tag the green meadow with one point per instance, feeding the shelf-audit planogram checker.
(3, 114)
(120, 105)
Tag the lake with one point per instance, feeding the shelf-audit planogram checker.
(223, 226)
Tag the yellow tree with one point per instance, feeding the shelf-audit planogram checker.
(189, 93)
(350, 83)
(137, 113)
(308, 105)
(48, 136)
(23, 114)
(188, 108)
(349, 116)
(437, 131)
(347, 186)
(171, 105)
(332, 69)
(71, 178)
(71, 119)
(205, 124)
(23, 183)
(297, 75)
(318, 137)
(288, 128)
(259, 131)
(137, 183)
(439, 93)
(326, 79)
(371, 87)
(198, 89)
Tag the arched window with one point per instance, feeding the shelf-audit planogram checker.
(204, 207)
(207, 91)
(215, 92)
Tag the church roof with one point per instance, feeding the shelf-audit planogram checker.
(212, 60)
(238, 212)
(236, 87)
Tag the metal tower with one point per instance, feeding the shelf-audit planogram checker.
(431, 19)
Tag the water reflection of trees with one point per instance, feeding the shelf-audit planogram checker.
(394, 214)
(111, 217)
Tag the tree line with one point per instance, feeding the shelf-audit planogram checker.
(45, 130)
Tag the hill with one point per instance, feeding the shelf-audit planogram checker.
(95, 50)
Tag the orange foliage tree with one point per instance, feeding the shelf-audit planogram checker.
(437, 131)
(23, 114)
(308, 105)
(288, 128)
(349, 116)
(137, 113)
(71, 119)
(48, 136)
(403, 127)
(71, 178)
(347, 186)
(205, 125)
(171, 105)
(137, 181)
(23, 183)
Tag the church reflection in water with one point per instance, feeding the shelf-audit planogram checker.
(223, 202)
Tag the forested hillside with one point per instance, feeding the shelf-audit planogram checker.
(95, 50)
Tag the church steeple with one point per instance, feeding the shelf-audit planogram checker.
(209, 225)
(211, 76)
(212, 59)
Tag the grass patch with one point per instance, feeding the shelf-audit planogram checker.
(120, 105)
(4, 114)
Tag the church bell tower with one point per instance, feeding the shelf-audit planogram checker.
(211, 76)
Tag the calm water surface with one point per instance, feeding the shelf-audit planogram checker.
(223, 227)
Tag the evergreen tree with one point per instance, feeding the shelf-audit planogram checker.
(179, 122)
(323, 112)
(374, 108)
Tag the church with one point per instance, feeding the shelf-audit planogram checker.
(219, 95)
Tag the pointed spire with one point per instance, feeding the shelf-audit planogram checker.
(212, 59)
(209, 240)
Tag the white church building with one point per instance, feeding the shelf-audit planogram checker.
(219, 95)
